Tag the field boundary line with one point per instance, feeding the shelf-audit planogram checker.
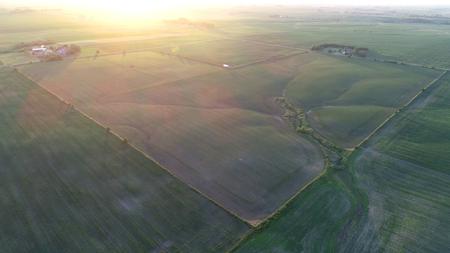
(269, 60)
(289, 200)
(151, 50)
(269, 44)
(280, 209)
(396, 110)
(437, 79)
(327, 166)
(248, 223)
(157, 50)
(285, 204)
(406, 63)
(241, 240)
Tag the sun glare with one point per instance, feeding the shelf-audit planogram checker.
(131, 10)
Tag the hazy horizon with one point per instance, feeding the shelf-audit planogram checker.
(205, 3)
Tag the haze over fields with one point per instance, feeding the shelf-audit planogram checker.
(141, 9)
(206, 3)
(205, 126)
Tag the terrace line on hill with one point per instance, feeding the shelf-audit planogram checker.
(397, 169)
(238, 167)
(82, 189)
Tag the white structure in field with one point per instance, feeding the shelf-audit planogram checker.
(226, 65)
(41, 51)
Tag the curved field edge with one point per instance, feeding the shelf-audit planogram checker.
(398, 199)
(192, 139)
(346, 99)
(208, 134)
(69, 184)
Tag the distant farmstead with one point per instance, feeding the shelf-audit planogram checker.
(54, 53)
(344, 50)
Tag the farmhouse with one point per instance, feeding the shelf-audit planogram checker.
(40, 51)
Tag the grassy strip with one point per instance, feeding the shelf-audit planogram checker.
(125, 141)
(345, 178)
(429, 85)
(68, 185)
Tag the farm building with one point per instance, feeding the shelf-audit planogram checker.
(347, 51)
(52, 53)
(41, 51)
(63, 50)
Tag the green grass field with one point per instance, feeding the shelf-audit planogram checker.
(152, 42)
(393, 197)
(67, 28)
(230, 52)
(141, 93)
(348, 125)
(420, 43)
(43, 25)
(68, 185)
(218, 130)
(346, 99)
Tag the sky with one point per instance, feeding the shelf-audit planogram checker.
(136, 8)
(221, 2)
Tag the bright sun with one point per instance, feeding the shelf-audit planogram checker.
(129, 10)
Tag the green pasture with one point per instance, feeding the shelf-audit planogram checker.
(249, 162)
(218, 130)
(228, 51)
(68, 185)
(348, 125)
(393, 197)
(90, 79)
(419, 43)
(347, 98)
